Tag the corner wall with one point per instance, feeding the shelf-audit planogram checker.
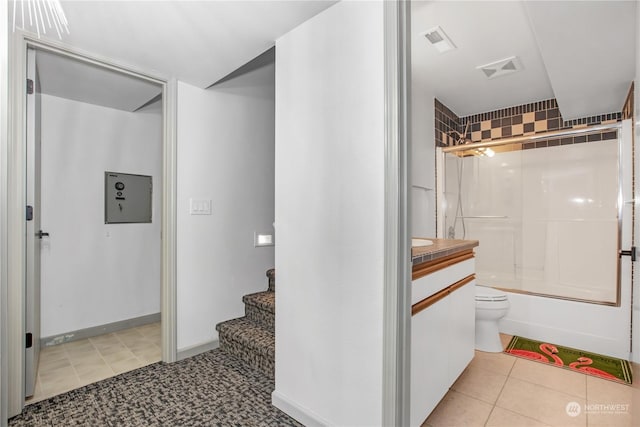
(330, 120)
(423, 143)
(95, 273)
(225, 142)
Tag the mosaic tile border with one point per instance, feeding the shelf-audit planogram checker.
(523, 120)
(447, 124)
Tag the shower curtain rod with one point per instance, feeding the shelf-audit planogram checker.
(546, 135)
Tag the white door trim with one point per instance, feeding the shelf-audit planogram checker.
(13, 352)
(33, 243)
(4, 134)
(397, 258)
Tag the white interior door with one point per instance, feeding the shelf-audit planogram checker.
(34, 233)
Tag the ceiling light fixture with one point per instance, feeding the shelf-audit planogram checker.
(438, 39)
(38, 14)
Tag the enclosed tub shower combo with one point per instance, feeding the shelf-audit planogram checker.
(552, 213)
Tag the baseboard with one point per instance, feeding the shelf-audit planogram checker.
(299, 413)
(197, 349)
(93, 331)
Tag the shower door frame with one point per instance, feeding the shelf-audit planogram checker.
(570, 321)
(549, 135)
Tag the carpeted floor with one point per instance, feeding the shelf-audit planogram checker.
(210, 389)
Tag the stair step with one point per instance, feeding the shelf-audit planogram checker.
(263, 300)
(249, 342)
(260, 308)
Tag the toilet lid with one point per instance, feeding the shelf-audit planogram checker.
(485, 293)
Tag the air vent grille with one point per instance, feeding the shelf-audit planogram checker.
(438, 39)
(434, 37)
(501, 68)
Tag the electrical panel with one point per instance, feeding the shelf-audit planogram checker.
(127, 198)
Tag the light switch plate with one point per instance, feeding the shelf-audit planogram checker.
(199, 207)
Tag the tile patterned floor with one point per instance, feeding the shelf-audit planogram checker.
(68, 366)
(497, 389)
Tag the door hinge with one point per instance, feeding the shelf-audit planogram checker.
(29, 213)
(29, 86)
(29, 340)
(631, 253)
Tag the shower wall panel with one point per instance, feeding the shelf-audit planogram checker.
(546, 219)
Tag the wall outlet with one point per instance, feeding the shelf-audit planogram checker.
(199, 207)
(262, 240)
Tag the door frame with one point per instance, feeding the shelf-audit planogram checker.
(15, 284)
(396, 373)
(33, 244)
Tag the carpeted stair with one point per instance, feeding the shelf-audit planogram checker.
(251, 338)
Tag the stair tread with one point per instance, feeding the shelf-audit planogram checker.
(264, 300)
(248, 333)
(271, 274)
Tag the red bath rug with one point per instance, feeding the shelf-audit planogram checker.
(600, 366)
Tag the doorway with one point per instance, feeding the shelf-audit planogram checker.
(97, 277)
(164, 215)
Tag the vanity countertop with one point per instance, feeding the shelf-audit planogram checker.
(440, 248)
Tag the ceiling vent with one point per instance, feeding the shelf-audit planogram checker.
(439, 39)
(501, 68)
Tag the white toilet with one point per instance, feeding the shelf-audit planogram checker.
(491, 306)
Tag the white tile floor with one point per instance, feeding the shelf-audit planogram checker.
(68, 366)
(497, 389)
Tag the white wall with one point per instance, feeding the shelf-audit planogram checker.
(94, 273)
(423, 174)
(423, 208)
(330, 217)
(226, 155)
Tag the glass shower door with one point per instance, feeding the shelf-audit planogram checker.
(547, 218)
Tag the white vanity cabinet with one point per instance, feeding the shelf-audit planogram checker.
(442, 328)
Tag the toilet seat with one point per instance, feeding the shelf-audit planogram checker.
(484, 293)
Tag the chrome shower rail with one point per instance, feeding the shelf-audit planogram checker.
(520, 139)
